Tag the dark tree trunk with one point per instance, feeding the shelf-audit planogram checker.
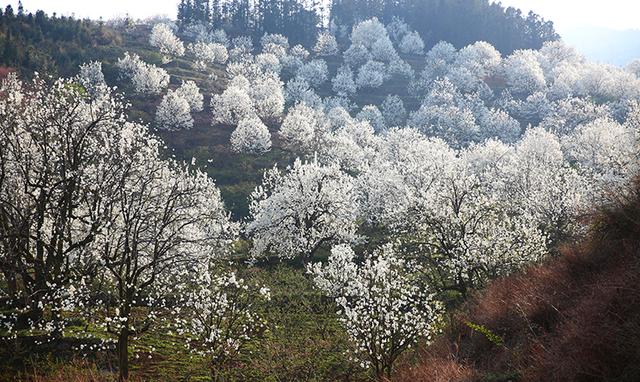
(123, 354)
(12, 283)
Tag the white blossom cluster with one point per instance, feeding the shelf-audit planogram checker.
(373, 56)
(146, 78)
(169, 45)
(326, 45)
(508, 203)
(92, 196)
(295, 213)
(381, 305)
(467, 183)
(253, 95)
(174, 111)
(207, 54)
(92, 78)
(223, 314)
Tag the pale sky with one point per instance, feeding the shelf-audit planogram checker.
(105, 8)
(618, 14)
(567, 14)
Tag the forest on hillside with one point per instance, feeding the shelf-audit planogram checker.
(273, 191)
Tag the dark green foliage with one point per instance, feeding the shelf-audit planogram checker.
(52, 45)
(460, 22)
(296, 19)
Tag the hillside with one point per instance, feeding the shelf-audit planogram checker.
(196, 201)
(574, 318)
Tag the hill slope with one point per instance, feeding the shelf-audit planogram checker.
(575, 318)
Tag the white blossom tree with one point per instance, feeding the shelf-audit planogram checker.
(382, 50)
(234, 104)
(397, 29)
(356, 55)
(605, 151)
(208, 54)
(439, 61)
(394, 111)
(163, 38)
(298, 90)
(463, 208)
(60, 166)
(174, 112)
(368, 32)
(481, 59)
(372, 114)
(343, 83)
(315, 72)
(92, 78)
(371, 75)
(275, 44)
(301, 129)
(190, 92)
(86, 194)
(269, 63)
(382, 305)
(296, 213)
(542, 185)
(146, 78)
(222, 316)
(496, 123)
(568, 113)
(241, 49)
(268, 97)
(523, 72)
(326, 45)
(412, 43)
(167, 222)
(251, 136)
(401, 68)
(297, 56)
(452, 123)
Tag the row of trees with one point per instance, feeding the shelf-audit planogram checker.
(95, 223)
(49, 44)
(460, 22)
(507, 29)
(299, 20)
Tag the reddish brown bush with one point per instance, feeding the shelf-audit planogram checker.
(4, 71)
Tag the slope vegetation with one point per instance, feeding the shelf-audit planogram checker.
(575, 318)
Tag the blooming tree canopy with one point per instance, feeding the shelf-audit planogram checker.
(174, 112)
(298, 212)
(326, 44)
(251, 136)
(382, 307)
(146, 78)
(169, 44)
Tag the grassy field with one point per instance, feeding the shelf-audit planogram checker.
(302, 341)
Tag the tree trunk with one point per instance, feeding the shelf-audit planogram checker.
(12, 283)
(57, 318)
(123, 354)
(216, 375)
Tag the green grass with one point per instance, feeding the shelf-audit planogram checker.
(303, 340)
